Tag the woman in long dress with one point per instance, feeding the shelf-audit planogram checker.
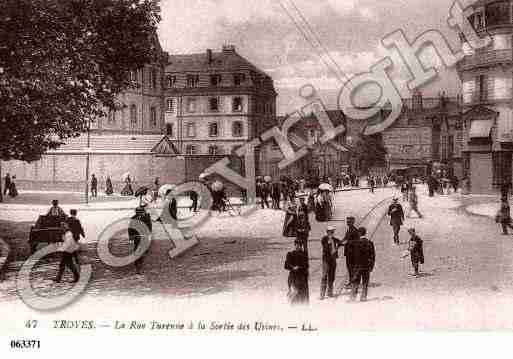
(127, 190)
(296, 263)
(13, 191)
(289, 224)
(108, 186)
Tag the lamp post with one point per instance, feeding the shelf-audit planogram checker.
(88, 154)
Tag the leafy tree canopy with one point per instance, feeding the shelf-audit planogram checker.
(61, 62)
(370, 151)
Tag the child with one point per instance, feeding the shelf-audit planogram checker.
(416, 251)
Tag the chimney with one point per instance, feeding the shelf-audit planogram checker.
(229, 49)
(209, 56)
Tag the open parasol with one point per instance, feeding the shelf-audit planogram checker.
(141, 191)
(165, 188)
(268, 178)
(124, 176)
(325, 187)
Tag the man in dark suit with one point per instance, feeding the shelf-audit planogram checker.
(275, 194)
(139, 230)
(363, 257)
(330, 245)
(351, 235)
(396, 213)
(76, 229)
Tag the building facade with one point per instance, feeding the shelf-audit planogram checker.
(487, 80)
(183, 113)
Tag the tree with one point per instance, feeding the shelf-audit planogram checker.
(370, 151)
(62, 63)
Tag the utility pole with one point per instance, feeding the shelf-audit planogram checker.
(88, 154)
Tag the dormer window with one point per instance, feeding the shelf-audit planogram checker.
(192, 80)
(215, 80)
(238, 79)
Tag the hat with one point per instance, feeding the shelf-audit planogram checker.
(350, 218)
(411, 229)
(55, 202)
(330, 229)
(395, 199)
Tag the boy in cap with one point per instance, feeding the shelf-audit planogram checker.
(416, 249)
(330, 245)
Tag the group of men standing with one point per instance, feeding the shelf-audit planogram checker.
(359, 256)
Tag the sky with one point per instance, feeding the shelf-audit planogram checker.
(345, 33)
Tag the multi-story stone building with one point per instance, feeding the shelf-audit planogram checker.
(216, 101)
(487, 80)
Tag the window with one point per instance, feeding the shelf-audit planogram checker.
(237, 104)
(213, 129)
(237, 130)
(190, 149)
(497, 13)
(169, 129)
(191, 105)
(238, 79)
(192, 80)
(214, 150)
(479, 20)
(153, 117)
(215, 80)
(133, 115)
(451, 146)
(171, 80)
(111, 118)
(213, 104)
(190, 129)
(482, 88)
(153, 78)
(170, 105)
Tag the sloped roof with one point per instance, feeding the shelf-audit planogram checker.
(224, 61)
(165, 147)
(110, 144)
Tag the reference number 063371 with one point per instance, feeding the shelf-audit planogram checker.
(25, 344)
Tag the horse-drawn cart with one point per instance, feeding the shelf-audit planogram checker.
(48, 229)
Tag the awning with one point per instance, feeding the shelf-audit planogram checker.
(480, 128)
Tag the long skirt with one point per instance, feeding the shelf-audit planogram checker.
(289, 226)
(298, 288)
(127, 190)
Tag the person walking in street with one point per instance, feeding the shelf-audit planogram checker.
(404, 191)
(372, 183)
(414, 202)
(296, 263)
(330, 245)
(68, 248)
(13, 191)
(109, 189)
(7, 183)
(396, 213)
(504, 216)
(363, 257)
(290, 221)
(350, 236)
(127, 190)
(303, 229)
(276, 194)
(75, 226)
(415, 247)
(193, 196)
(139, 230)
(94, 186)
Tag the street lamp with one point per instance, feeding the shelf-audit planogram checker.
(88, 154)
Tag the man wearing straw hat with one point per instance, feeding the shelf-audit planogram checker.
(330, 245)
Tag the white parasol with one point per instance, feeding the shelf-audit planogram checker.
(164, 188)
(267, 178)
(203, 175)
(325, 187)
(124, 176)
(217, 186)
